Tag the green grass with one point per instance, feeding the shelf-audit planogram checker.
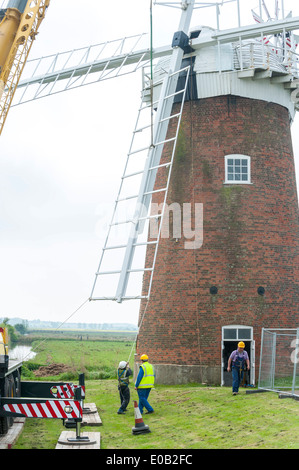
(91, 353)
(97, 359)
(186, 416)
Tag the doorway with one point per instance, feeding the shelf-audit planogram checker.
(231, 335)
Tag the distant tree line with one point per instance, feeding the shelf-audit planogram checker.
(23, 326)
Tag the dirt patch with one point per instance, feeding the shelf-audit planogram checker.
(53, 369)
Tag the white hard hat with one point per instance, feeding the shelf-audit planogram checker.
(122, 365)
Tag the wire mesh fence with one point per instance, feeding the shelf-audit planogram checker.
(279, 370)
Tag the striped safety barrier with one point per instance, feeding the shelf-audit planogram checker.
(63, 409)
(66, 391)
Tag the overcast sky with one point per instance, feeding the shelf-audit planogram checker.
(61, 159)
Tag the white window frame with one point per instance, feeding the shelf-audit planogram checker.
(239, 157)
(239, 336)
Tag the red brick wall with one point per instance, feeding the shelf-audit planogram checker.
(250, 234)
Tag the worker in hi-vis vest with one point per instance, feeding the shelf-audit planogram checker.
(144, 383)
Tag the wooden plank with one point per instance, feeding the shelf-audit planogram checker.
(92, 417)
(9, 439)
(65, 435)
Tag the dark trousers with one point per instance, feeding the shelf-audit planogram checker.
(124, 395)
(237, 378)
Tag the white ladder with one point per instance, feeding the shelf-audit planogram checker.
(142, 165)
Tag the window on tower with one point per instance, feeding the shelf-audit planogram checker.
(237, 169)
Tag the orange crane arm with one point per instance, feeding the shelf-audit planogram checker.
(17, 33)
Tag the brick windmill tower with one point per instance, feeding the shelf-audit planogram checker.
(223, 200)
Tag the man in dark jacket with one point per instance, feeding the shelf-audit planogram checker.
(123, 374)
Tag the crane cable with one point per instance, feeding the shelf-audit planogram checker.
(56, 329)
(151, 74)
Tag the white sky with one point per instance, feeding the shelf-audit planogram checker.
(61, 159)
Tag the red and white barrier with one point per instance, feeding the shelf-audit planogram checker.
(63, 409)
(66, 391)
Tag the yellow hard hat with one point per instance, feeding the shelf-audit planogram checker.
(144, 357)
(241, 344)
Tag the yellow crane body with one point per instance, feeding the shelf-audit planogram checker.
(3, 341)
(17, 33)
(8, 30)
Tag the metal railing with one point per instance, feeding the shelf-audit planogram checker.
(258, 55)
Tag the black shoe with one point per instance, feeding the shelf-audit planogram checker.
(149, 412)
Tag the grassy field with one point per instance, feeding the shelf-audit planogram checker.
(98, 359)
(190, 416)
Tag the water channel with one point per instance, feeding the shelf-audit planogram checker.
(21, 353)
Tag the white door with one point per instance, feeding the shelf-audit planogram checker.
(231, 335)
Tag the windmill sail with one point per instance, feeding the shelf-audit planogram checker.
(147, 175)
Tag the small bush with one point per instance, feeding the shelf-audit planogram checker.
(68, 376)
(27, 373)
(32, 365)
(100, 374)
